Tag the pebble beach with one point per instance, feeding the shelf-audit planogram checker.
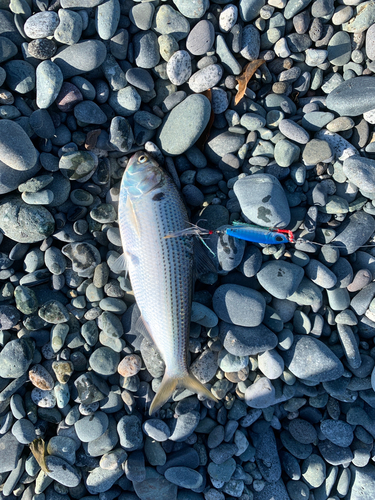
(282, 335)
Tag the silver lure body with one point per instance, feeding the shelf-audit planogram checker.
(160, 269)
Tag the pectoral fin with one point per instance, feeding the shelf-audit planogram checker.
(120, 265)
(132, 216)
(169, 384)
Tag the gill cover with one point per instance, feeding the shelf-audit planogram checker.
(142, 175)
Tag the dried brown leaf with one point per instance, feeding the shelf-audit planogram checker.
(206, 132)
(245, 77)
(38, 449)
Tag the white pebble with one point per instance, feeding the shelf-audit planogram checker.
(228, 17)
(179, 67)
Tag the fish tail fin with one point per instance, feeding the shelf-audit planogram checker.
(169, 384)
(165, 391)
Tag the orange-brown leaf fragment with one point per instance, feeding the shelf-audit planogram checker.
(38, 449)
(245, 77)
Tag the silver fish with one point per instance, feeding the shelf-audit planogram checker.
(160, 267)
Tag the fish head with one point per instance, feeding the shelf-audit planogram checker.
(142, 175)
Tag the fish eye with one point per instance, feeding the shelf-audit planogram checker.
(142, 159)
(278, 238)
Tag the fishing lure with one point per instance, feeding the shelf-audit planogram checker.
(258, 234)
(243, 231)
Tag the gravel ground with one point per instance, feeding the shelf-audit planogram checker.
(282, 335)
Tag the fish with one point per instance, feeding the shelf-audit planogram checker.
(161, 269)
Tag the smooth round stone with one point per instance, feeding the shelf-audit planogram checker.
(316, 120)
(314, 471)
(263, 200)
(293, 131)
(68, 96)
(340, 124)
(297, 490)
(156, 429)
(62, 472)
(353, 97)
(20, 76)
(140, 78)
(77, 164)
(194, 10)
(221, 144)
(89, 112)
(41, 25)
(228, 17)
(62, 447)
(69, 29)
(53, 311)
(271, 364)
(130, 365)
(252, 121)
(261, 394)
(141, 15)
(16, 355)
(179, 67)
(84, 256)
(317, 151)
(85, 87)
(25, 223)
(63, 370)
(24, 431)
(370, 43)
(168, 21)
(81, 57)
(205, 366)
(239, 305)
(41, 378)
(280, 278)
(91, 427)
(362, 479)
(42, 48)
(147, 120)
(315, 57)
(146, 50)
(121, 134)
(41, 123)
(104, 361)
(356, 231)
(249, 9)
(201, 38)
(337, 431)
(184, 477)
(205, 78)
(167, 46)
(26, 300)
(7, 49)
(219, 100)
(101, 480)
(302, 431)
(250, 43)
(286, 153)
(184, 125)
(361, 172)
(320, 274)
(107, 18)
(130, 432)
(43, 399)
(125, 102)
(49, 80)
(339, 49)
(309, 359)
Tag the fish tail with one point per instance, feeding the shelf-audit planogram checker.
(169, 384)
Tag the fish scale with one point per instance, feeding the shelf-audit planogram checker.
(160, 269)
